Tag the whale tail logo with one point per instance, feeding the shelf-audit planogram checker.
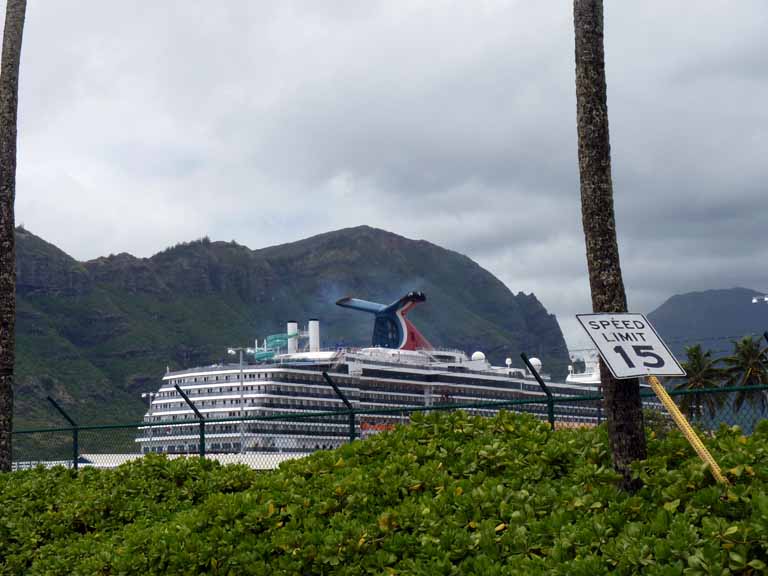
(391, 329)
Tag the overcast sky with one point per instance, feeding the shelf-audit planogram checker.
(147, 123)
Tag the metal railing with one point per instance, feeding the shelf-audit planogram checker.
(263, 441)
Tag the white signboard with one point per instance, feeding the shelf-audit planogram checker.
(629, 345)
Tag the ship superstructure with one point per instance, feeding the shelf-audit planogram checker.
(400, 370)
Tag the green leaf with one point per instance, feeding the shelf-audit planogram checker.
(736, 557)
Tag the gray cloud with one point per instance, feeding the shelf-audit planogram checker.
(266, 122)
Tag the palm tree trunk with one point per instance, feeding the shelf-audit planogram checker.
(9, 96)
(623, 407)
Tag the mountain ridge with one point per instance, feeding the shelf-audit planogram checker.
(711, 318)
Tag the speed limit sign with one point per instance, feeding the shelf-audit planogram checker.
(629, 345)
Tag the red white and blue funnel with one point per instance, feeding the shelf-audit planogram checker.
(391, 328)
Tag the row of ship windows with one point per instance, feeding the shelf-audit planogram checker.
(395, 393)
(501, 391)
(323, 401)
(282, 389)
(203, 391)
(389, 398)
(198, 403)
(324, 428)
(215, 390)
(248, 376)
(289, 403)
(192, 448)
(223, 378)
(190, 416)
(274, 377)
(443, 378)
(233, 447)
(283, 428)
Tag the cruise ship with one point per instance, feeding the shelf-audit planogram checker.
(278, 396)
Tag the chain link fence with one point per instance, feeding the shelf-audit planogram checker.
(263, 441)
(708, 409)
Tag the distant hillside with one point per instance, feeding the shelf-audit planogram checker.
(96, 334)
(710, 318)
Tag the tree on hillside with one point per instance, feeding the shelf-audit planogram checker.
(701, 373)
(622, 399)
(9, 95)
(748, 366)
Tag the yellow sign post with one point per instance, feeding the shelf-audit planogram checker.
(686, 429)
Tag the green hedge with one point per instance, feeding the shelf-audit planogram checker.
(449, 494)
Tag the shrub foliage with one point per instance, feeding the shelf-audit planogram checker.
(449, 494)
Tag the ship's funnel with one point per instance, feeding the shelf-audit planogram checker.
(391, 329)
(292, 328)
(314, 335)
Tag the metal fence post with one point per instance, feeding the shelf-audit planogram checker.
(201, 448)
(75, 438)
(550, 399)
(600, 402)
(352, 431)
(200, 417)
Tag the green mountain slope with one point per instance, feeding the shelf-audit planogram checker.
(96, 334)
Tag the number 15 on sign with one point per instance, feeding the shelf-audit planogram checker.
(629, 345)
